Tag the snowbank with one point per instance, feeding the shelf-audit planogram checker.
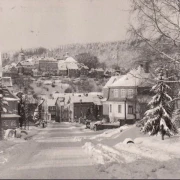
(102, 154)
(153, 148)
(95, 153)
(112, 133)
(170, 145)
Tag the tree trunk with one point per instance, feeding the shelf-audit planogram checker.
(162, 131)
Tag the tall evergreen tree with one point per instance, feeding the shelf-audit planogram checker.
(160, 113)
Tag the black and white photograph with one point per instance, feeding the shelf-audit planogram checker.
(89, 89)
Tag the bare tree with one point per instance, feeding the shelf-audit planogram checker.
(155, 26)
(157, 22)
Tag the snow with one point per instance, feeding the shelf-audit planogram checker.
(143, 148)
(96, 154)
(112, 133)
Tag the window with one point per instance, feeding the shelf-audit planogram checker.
(130, 109)
(123, 93)
(130, 93)
(119, 108)
(110, 108)
(116, 93)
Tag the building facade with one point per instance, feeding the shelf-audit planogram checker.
(128, 95)
(49, 65)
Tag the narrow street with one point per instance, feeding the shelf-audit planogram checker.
(53, 153)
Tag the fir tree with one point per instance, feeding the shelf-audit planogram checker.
(160, 113)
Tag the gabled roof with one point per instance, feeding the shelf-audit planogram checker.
(136, 77)
(111, 81)
(70, 60)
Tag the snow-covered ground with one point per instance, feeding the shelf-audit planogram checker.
(151, 155)
(107, 134)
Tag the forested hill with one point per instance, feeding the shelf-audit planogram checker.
(111, 53)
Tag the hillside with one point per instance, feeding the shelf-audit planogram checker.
(111, 52)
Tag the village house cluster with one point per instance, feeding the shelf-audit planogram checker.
(50, 66)
(123, 97)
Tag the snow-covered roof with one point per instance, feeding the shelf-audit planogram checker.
(47, 82)
(70, 60)
(62, 66)
(99, 69)
(136, 77)
(61, 62)
(10, 99)
(49, 59)
(13, 64)
(26, 63)
(9, 115)
(72, 66)
(111, 81)
(51, 102)
(77, 99)
(95, 93)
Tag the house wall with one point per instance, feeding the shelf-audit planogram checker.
(12, 106)
(52, 111)
(48, 65)
(73, 73)
(121, 92)
(63, 72)
(114, 115)
(84, 71)
(105, 108)
(105, 92)
(77, 108)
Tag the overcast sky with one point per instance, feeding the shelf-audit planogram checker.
(49, 23)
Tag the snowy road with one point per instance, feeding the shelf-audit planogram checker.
(68, 151)
(53, 153)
